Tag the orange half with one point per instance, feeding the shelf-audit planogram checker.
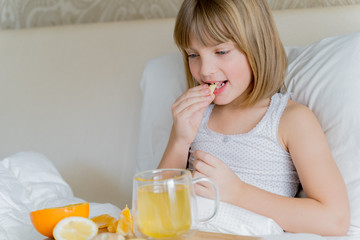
(45, 220)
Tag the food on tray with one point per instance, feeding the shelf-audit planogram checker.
(45, 220)
(75, 228)
(123, 226)
(104, 220)
(112, 227)
(212, 88)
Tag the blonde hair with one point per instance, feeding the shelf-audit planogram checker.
(250, 25)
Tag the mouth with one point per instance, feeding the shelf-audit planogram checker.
(218, 84)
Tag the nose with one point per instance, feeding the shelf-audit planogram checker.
(208, 67)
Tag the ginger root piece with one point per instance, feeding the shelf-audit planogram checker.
(212, 88)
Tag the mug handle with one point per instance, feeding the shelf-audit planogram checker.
(205, 179)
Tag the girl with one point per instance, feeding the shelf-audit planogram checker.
(254, 142)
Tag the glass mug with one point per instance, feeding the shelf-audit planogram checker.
(164, 203)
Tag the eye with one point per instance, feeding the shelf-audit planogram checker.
(222, 52)
(192, 55)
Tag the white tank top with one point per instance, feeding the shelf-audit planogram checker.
(257, 157)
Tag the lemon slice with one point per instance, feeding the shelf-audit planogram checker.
(75, 228)
(212, 87)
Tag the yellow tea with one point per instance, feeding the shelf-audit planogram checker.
(163, 212)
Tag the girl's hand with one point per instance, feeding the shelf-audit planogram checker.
(228, 183)
(188, 111)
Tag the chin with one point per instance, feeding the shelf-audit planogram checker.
(220, 101)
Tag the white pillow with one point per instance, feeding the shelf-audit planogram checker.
(162, 83)
(324, 76)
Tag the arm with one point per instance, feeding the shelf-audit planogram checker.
(325, 211)
(187, 112)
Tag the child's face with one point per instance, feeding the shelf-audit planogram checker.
(223, 63)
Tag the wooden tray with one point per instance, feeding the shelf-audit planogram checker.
(200, 235)
(220, 236)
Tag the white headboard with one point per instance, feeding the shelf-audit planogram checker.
(303, 26)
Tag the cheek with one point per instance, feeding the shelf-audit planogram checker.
(243, 70)
(194, 70)
(191, 67)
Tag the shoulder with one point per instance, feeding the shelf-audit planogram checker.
(295, 112)
(297, 123)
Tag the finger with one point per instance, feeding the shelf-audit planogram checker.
(204, 191)
(207, 158)
(203, 188)
(200, 190)
(197, 174)
(191, 104)
(202, 167)
(188, 112)
(205, 184)
(199, 91)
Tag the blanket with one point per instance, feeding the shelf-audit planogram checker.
(28, 182)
